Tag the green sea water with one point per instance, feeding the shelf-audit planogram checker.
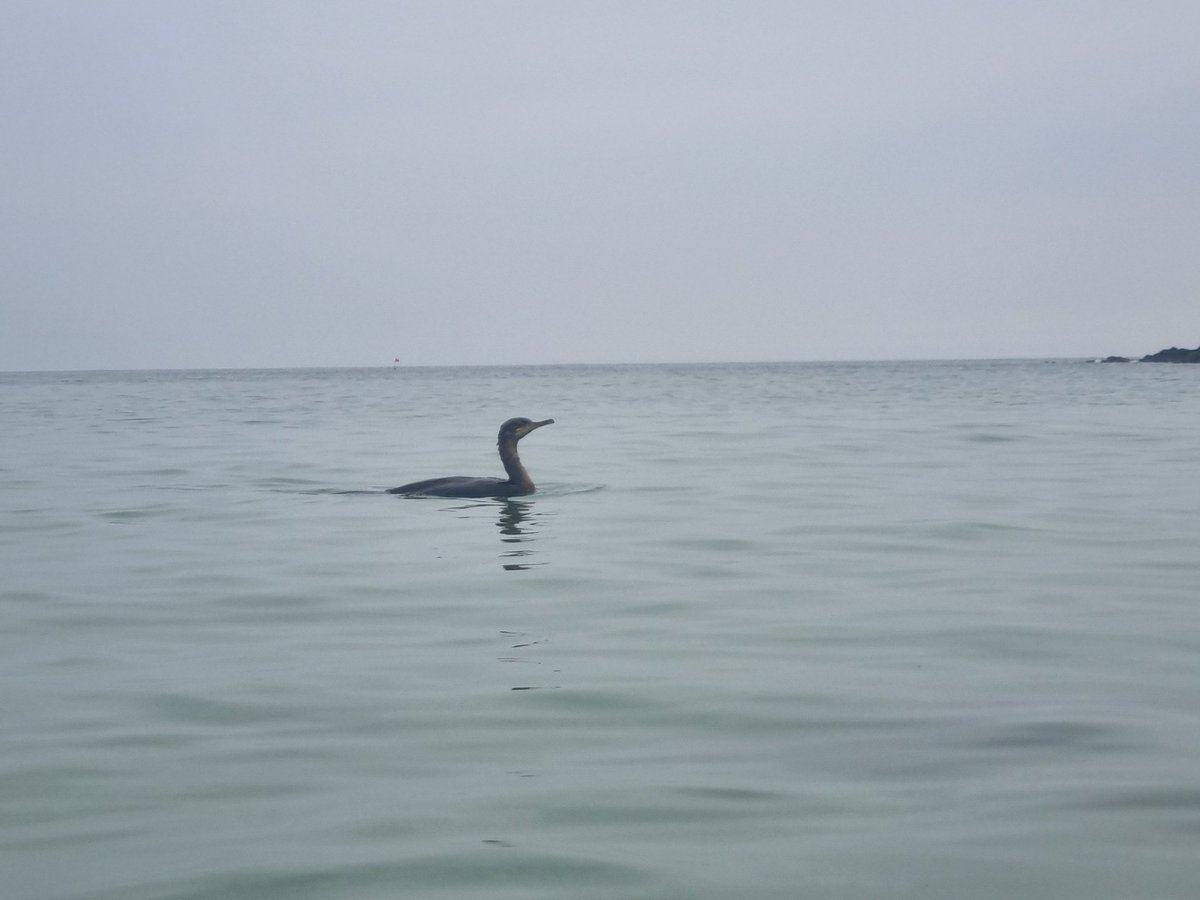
(767, 631)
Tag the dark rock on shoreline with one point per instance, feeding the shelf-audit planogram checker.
(1116, 359)
(1174, 355)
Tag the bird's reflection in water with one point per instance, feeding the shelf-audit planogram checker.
(517, 527)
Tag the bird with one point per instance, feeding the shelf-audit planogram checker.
(517, 484)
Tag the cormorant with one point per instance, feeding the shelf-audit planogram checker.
(517, 484)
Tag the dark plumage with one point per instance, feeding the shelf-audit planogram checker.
(517, 484)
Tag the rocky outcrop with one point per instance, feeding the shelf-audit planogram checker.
(1174, 355)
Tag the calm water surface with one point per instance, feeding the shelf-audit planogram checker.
(817, 630)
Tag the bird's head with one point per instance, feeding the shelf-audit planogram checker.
(515, 429)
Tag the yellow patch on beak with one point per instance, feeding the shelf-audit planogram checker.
(525, 429)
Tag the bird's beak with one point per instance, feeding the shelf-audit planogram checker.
(532, 425)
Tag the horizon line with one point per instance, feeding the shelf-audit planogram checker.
(393, 365)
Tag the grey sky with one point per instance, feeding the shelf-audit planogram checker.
(295, 183)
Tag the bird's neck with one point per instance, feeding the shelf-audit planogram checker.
(512, 466)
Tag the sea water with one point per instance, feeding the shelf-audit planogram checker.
(925, 630)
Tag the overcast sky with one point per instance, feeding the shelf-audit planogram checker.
(245, 184)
